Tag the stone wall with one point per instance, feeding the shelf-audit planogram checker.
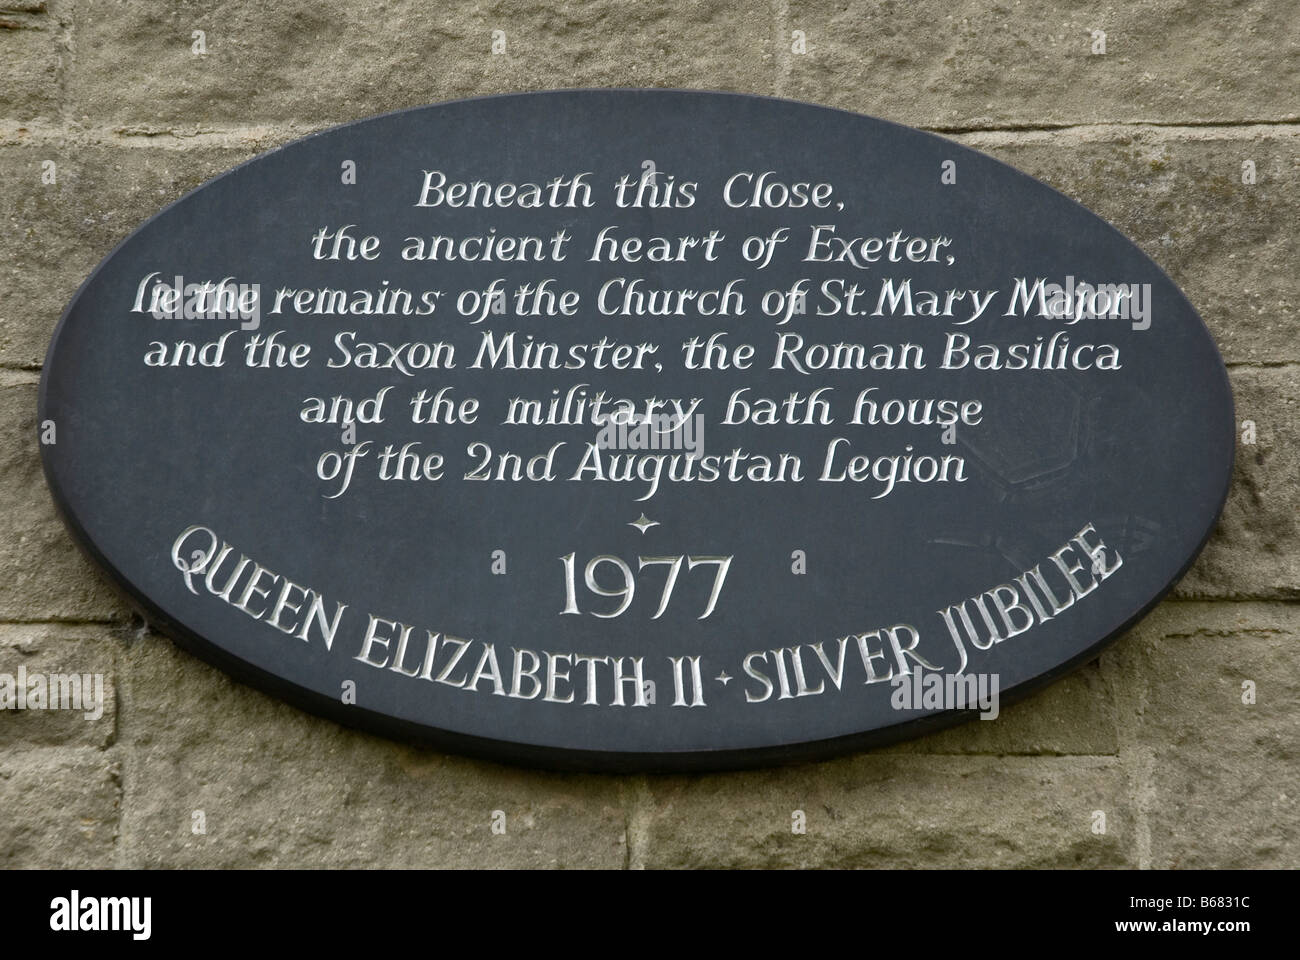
(1152, 134)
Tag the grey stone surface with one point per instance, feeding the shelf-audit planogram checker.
(34, 52)
(1179, 195)
(1255, 550)
(1219, 779)
(894, 811)
(136, 65)
(970, 64)
(61, 808)
(53, 235)
(42, 650)
(1074, 716)
(43, 575)
(277, 787)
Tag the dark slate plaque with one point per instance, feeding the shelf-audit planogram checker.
(636, 429)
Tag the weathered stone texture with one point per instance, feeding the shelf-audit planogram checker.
(53, 234)
(1255, 550)
(33, 57)
(1180, 196)
(280, 788)
(894, 811)
(971, 64)
(1220, 778)
(60, 808)
(43, 575)
(136, 66)
(1075, 715)
(46, 649)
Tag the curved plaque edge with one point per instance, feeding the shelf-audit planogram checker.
(565, 758)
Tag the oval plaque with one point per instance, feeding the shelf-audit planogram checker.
(636, 429)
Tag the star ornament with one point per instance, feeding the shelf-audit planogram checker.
(643, 524)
